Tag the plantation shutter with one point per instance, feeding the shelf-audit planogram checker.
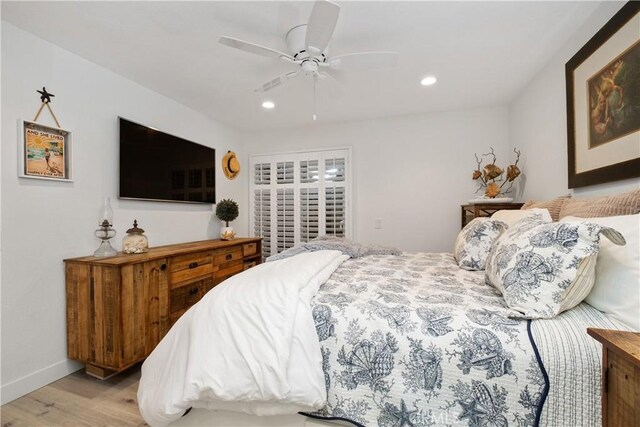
(334, 174)
(261, 205)
(309, 214)
(309, 186)
(298, 197)
(285, 224)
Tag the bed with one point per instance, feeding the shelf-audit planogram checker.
(401, 340)
(415, 340)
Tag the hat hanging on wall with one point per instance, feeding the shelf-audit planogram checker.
(230, 165)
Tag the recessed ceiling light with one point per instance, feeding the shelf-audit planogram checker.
(428, 81)
(268, 105)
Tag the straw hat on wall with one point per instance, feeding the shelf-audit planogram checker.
(230, 165)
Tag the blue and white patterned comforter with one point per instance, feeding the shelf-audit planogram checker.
(413, 340)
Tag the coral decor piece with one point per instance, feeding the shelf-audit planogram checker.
(491, 178)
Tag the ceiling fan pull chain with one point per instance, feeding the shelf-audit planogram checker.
(315, 79)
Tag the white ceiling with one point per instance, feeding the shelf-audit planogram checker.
(483, 53)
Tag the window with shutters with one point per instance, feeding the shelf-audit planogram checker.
(297, 197)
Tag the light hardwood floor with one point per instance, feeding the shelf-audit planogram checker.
(78, 400)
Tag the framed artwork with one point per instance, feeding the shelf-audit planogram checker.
(603, 103)
(44, 152)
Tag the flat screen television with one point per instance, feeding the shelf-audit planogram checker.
(157, 166)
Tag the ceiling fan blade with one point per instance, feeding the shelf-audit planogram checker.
(254, 48)
(322, 23)
(364, 60)
(334, 88)
(273, 83)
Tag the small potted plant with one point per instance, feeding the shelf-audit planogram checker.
(227, 211)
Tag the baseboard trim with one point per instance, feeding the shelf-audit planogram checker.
(35, 380)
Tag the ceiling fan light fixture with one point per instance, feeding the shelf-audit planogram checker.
(428, 81)
(308, 51)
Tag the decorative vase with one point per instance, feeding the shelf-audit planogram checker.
(227, 233)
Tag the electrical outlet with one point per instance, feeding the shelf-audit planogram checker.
(378, 223)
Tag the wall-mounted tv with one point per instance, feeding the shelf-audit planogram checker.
(157, 166)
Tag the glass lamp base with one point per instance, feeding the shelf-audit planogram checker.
(105, 249)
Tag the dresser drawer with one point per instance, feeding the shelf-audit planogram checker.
(183, 297)
(187, 267)
(232, 268)
(249, 264)
(227, 257)
(249, 249)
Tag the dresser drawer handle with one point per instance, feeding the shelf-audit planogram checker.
(193, 291)
(193, 265)
(228, 257)
(163, 267)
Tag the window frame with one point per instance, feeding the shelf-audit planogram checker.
(297, 157)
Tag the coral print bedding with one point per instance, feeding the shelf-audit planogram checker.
(543, 269)
(413, 340)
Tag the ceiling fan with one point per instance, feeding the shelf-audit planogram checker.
(307, 44)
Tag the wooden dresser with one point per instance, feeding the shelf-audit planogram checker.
(120, 307)
(620, 377)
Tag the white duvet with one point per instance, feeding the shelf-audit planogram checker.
(233, 350)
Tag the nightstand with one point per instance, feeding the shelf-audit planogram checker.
(475, 210)
(620, 377)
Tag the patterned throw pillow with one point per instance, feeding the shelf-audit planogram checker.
(543, 269)
(510, 217)
(553, 206)
(474, 242)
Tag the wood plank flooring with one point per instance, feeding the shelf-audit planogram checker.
(78, 400)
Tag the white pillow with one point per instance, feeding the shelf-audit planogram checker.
(510, 217)
(543, 269)
(617, 286)
(474, 242)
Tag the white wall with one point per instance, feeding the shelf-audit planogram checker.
(538, 121)
(413, 172)
(44, 222)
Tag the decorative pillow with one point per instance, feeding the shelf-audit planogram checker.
(543, 269)
(620, 204)
(474, 242)
(553, 206)
(617, 288)
(510, 217)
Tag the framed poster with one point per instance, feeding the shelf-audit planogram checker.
(603, 103)
(44, 152)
